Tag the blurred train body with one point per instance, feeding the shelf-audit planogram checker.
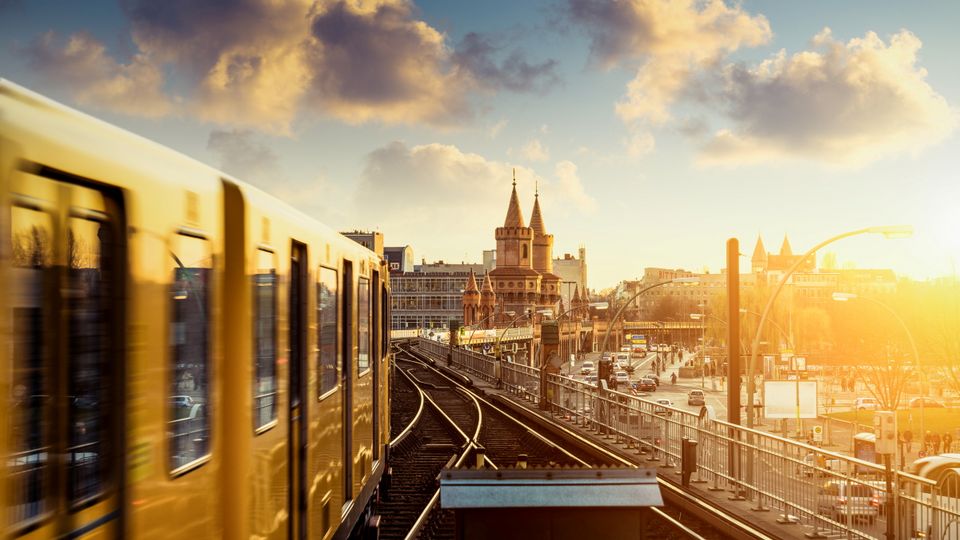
(181, 355)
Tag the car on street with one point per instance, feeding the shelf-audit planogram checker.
(696, 397)
(625, 348)
(622, 377)
(590, 379)
(646, 385)
(653, 376)
(866, 404)
(629, 367)
(842, 499)
(663, 411)
(182, 401)
(927, 402)
(587, 368)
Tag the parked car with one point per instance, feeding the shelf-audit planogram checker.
(622, 377)
(840, 499)
(927, 402)
(646, 385)
(866, 404)
(696, 397)
(663, 411)
(587, 368)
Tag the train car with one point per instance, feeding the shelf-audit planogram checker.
(182, 355)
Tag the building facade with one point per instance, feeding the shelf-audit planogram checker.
(399, 259)
(372, 240)
(573, 274)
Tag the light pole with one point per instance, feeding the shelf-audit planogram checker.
(594, 305)
(496, 346)
(843, 297)
(478, 323)
(900, 231)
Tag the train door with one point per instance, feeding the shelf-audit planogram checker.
(297, 439)
(66, 378)
(347, 380)
(375, 362)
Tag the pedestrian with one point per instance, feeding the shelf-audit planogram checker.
(673, 380)
(947, 440)
(908, 438)
(935, 439)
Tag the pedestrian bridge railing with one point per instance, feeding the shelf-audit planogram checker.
(829, 495)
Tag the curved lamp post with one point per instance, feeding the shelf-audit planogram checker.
(697, 316)
(496, 346)
(478, 323)
(595, 305)
(897, 231)
(606, 335)
(843, 297)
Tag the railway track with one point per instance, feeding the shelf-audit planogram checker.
(505, 437)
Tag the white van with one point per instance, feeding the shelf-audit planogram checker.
(587, 368)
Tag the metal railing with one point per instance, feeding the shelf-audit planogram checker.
(828, 494)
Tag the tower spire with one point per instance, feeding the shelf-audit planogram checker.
(514, 215)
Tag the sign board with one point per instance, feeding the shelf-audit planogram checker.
(818, 434)
(799, 363)
(781, 399)
(885, 431)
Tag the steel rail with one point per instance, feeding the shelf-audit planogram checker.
(507, 415)
(416, 418)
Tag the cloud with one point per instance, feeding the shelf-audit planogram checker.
(474, 54)
(843, 103)
(96, 79)
(571, 189)
(381, 63)
(494, 130)
(671, 40)
(534, 150)
(245, 156)
(449, 196)
(639, 143)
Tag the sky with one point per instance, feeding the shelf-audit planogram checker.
(654, 130)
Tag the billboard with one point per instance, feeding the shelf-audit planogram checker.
(636, 339)
(781, 399)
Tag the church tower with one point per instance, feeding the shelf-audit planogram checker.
(516, 283)
(543, 257)
(758, 263)
(488, 302)
(471, 302)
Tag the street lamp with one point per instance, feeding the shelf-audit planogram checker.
(481, 321)
(606, 335)
(594, 305)
(496, 346)
(844, 297)
(896, 231)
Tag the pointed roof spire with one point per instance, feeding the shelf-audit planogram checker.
(536, 218)
(472, 284)
(785, 246)
(576, 295)
(514, 215)
(487, 284)
(759, 252)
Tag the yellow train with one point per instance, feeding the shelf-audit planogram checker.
(181, 355)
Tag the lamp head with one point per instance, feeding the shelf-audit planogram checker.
(893, 231)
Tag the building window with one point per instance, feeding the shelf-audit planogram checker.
(363, 324)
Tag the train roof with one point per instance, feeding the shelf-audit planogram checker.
(101, 139)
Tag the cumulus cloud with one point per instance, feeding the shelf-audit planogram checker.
(263, 64)
(82, 64)
(449, 196)
(534, 150)
(475, 54)
(671, 40)
(844, 103)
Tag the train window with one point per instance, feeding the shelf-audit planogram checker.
(89, 246)
(30, 410)
(189, 422)
(363, 324)
(327, 329)
(265, 341)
